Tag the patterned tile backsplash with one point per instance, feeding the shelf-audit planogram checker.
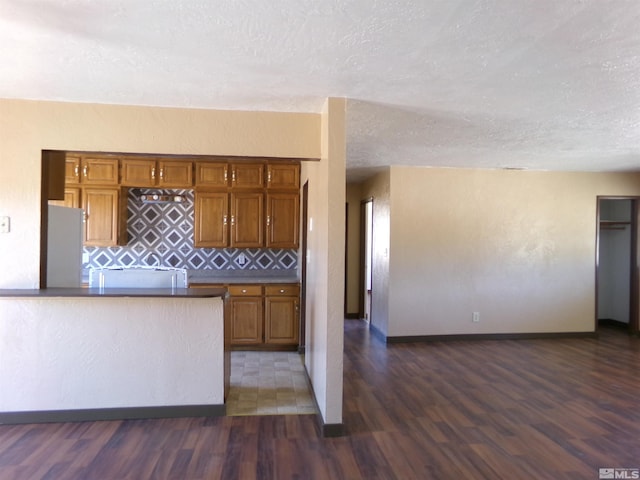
(162, 234)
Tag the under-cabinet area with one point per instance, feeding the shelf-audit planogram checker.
(261, 316)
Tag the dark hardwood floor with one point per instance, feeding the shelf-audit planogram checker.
(506, 409)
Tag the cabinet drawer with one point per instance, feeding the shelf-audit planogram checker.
(245, 290)
(288, 290)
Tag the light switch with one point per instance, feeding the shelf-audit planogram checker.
(5, 225)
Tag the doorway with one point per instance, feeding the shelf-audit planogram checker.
(617, 263)
(366, 249)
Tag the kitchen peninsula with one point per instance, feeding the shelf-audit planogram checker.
(111, 354)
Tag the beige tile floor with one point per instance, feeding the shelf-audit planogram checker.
(269, 383)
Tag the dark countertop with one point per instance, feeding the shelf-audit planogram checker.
(250, 276)
(116, 292)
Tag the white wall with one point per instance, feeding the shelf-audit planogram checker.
(517, 247)
(325, 269)
(85, 353)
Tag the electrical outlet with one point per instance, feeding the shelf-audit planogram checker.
(475, 318)
(5, 225)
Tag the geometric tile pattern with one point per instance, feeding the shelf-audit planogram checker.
(162, 234)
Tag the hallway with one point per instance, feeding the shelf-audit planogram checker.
(556, 408)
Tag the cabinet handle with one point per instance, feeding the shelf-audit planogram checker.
(153, 173)
(269, 176)
(233, 220)
(281, 290)
(85, 170)
(161, 173)
(224, 219)
(76, 171)
(244, 290)
(268, 220)
(225, 175)
(233, 175)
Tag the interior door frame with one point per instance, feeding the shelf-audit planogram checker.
(634, 280)
(303, 269)
(363, 253)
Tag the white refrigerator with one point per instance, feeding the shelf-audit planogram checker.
(64, 247)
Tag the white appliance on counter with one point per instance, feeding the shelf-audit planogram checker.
(64, 246)
(138, 277)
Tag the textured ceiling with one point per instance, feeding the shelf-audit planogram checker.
(540, 84)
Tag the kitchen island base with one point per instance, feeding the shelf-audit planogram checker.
(93, 357)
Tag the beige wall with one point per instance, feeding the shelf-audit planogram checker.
(325, 263)
(517, 247)
(26, 128)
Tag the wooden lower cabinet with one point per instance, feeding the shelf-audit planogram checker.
(261, 316)
(281, 314)
(246, 314)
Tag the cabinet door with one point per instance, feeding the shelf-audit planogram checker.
(281, 321)
(138, 172)
(99, 171)
(247, 215)
(211, 219)
(247, 175)
(72, 169)
(283, 220)
(71, 198)
(101, 206)
(283, 175)
(175, 173)
(246, 317)
(212, 174)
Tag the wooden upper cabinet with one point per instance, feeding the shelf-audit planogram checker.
(212, 174)
(247, 220)
(138, 172)
(72, 169)
(282, 227)
(247, 175)
(105, 220)
(175, 173)
(283, 175)
(211, 214)
(88, 170)
(144, 172)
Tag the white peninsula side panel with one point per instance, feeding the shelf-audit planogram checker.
(99, 353)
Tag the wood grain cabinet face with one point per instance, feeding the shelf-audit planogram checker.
(140, 172)
(72, 169)
(246, 315)
(283, 176)
(212, 174)
(104, 219)
(87, 170)
(71, 198)
(283, 220)
(247, 175)
(211, 213)
(281, 317)
(247, 219)
(175, 173)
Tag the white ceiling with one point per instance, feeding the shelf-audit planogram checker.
(540, 84)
